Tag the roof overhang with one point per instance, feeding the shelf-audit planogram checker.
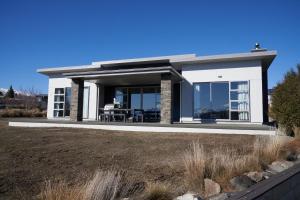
(266, 58)
(127, 76)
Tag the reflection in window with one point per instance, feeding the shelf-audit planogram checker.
(221, 100)
(121, 97)
(135, 98)
(146, 98)
(211, 101)
(67, 101)
(151, 99)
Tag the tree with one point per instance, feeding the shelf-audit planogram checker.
(10, 93)
(1, 93)
(285, 108)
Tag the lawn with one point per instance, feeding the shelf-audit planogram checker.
(29, 156)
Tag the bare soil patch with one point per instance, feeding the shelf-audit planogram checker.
(29, 156)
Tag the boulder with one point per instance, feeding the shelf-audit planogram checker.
(267, 174)
(279, 166)
(189, 196)
(255, 176)
(241, 182)
(221, 196)
(291, 156)
(211, 187)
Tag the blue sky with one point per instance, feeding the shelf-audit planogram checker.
(40, 33)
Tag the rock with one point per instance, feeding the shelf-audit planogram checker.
(279, 166)
(211, 187)
(241, 182)
(255, 176)
(189, 196)
(221, 196)
(267, 174)
(291, 156)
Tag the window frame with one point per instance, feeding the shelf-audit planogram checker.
(60, 102)
(157, 90)
(229, 102)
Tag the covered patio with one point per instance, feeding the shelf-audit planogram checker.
(130, 94)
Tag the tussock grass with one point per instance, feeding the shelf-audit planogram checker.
(102, 186)
(158, 191)
(223, 163)
(267, 148)
(61, 191)
(194, 160)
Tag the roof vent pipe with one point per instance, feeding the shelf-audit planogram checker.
(257, 48)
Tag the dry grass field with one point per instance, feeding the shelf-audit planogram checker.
(30, 156)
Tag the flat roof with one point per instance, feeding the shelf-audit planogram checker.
(174, 60)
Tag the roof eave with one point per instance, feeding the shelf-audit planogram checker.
(265, 56)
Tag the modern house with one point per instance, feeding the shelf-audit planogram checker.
(229, 88)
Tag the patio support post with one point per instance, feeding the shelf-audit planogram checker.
(101, 96)
(76, 100)
(166, 99)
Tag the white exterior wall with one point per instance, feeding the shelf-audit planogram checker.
(92, 100)
(213, 72)
(58, 82)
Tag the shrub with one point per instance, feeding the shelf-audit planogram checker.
(22, 113)
(285, 108)
(157, 191)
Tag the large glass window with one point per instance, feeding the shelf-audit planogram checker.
(62, 101)
(146, 98)
(211, 100)
(221, 100)
(135, 98)
(151, 99)
(202, 106)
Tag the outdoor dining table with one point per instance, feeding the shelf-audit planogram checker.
(114, 112)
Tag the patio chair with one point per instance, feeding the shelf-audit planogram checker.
(138, 115)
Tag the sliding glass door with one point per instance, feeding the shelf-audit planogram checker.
(146, 98)
(221, 100)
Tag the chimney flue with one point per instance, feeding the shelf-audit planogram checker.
(257, 48)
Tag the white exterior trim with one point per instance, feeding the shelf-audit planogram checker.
(154, 129)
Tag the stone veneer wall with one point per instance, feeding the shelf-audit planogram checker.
(76, 112)
(166, 99)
